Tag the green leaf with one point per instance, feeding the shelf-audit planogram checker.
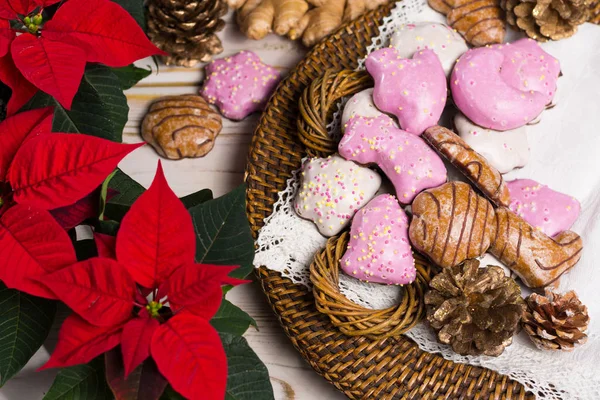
(248, 377)
(232, 319)
(25, 322)
(194, 199)
(223, 233)
(99, 107)
(130, 75)
(127, 190)
(136, 9)
(107, 227)
(81, 382)
(171, 394)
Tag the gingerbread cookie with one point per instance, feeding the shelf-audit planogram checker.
(410, 164)
(414, 90)
(504, 150)
(361, 104)
(379, 250)
(504, 86)
(475, 167)
(332, 190)
(545, 209)
(239, 85)
(447, 44)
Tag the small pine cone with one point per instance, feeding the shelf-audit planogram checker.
(547, 19)
(595, 13)
(186, 29)
(475, 310)
(555, 321)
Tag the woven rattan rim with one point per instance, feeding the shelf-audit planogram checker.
(362, 368)
(354, 320)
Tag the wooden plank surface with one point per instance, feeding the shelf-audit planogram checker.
(221, 170)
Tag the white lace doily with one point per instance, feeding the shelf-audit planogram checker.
(564, 155)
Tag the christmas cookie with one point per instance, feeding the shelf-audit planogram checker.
(410, 164)
(447, 44)
(239, 85)
(414, 90)
(379, 249)
(504, 86)
(505, 150)
(332, 190)
(361, 104)
(545, 209)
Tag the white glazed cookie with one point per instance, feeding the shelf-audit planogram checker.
(447, 44)
(505, 150)
(332, 190)
(361, 104)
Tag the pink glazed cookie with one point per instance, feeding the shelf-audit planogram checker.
(379, 250)
(504, 86)
(410, 164)
(545, 209)
(332, 190)
(412, 90)
(239, 85)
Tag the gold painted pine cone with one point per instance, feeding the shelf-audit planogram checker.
(186, 29)
(547, 19)
(555, 321)
(475, 310)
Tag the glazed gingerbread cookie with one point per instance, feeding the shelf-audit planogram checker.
(239, 85)
(545, 209)
(504, 150)
(447, 44)
(379, 250)
(332, 190)
(452, 223)
(414, 90)
(504, 86)
(360, 105)
(409, 163)
(475, 167)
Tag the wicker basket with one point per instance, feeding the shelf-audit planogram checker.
(362, 368)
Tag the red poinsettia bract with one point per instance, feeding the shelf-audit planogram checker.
(153, 299)
(51, 55)
(41, 171)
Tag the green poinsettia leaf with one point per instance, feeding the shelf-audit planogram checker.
(81, 382)
(194, 199)
(223, 233)
(126, 191)
(130, 75)
(171, 394)
(99, 107)
(107, 227)
(232, 319)
(136, 9)
(248, 377)
(85, 249)
(25, 322)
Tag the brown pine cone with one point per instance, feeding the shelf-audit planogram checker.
(186, 29)
(555, 321)
(547, 19)
(595, 13)
(475, 310)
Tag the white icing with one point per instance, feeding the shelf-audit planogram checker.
(447, 44)
(504, 150)
(332, 191)
(361, 104)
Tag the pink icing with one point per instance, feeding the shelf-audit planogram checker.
(504, 86)
(545, 209)
(379, 249)
(413, 90)
(410, 164)
(239, 85)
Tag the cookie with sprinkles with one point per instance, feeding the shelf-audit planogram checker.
(239, 85)
(361, 104)
(550, 211)
(332, 190)
(379, 249)
(414, 90)
(409, 163)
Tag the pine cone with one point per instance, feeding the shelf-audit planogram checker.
(595, 13)
(547, 19)
(186, 29)
(475, 310)
(555, 321)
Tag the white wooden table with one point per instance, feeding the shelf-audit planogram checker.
(221, 170)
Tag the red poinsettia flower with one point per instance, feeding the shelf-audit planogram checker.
(153, 299)
(51, 55)
(41, 171)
